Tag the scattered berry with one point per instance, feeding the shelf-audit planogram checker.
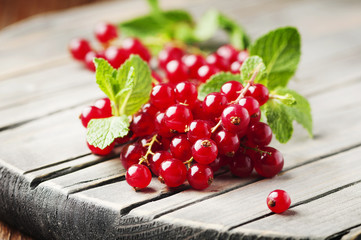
(278, 201)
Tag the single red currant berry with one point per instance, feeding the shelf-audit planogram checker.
(143, 124)
(181, 148)
(217, 61)
(162, 96)
(269, 163)
(216, 164)
(122, 140)
(251, 104)
(131, 154)
(205, 72)
(138, 176)
(241, 165)
(134, 46)
(242, 56)
(105, 32)
(227, 142)
(160, 127)
(105, 107)
(89, 60)
(260, 134)
(88, 114)
(186, 93)
(193, 63)
(197, 110)
(172, 172)
(157, 159)
(255, 117)
(99, 151)
(231, 90)
(150, 109)
(259, 92)
(227, 52)
(176, 71)
(200, 176)
(168, 54)
(178, 117)
(204, 151)
(214, 103)
(278, 201)
(78, 48)
(235, 67)
(199, 129)
(235, 118)
(116, 56)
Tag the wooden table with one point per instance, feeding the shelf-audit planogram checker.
(52, 187)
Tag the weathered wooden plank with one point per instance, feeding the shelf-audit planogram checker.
(316, 219)
(248, 203)
(353, 234)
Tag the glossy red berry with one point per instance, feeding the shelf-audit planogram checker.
(199, 129)
(214, 103)
(116, 56)
(200, 176)
(231, 90)
(142, 124)
(78, 48)
(217, 61)
(157, 159)
(197, 110)
(259, 92)
(105, 107)
(176, 71)
(172, 172)
(204, 151)
(227, 52)
(260, 134)
(99, 151)
(138, 176)
(105, 32)
(278, 201)
(131, 154)
(241, 165)
(186, 93)
(269, 163)
(150, 109)
(227, 142)
(242, 56)
(168, 54)
(162, 96)
(178, 117)
(255, 117)
(251, 104)
(134, 46)
(235, 67)
(161, 127)
(88, 114)
(193, 63)
(181, 148)
(235, 118)
(89, 60)
(205, 72)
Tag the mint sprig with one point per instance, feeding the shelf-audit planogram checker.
(128, 88)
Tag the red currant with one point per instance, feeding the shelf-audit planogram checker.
(138, 176)
(134, 46)
(186, 93)
(105, 32)
(260, 134)
(218, 62)
(99, 151)
(157, 159)
(150, 109)
(214, 103)
(241, 165)
(199, 129)
(116, 56)
(251, 104)
(227, 142)
(204, 151)
(143, 124)
(172, 172)
(78, 48)
(242, 56)
(200, 176)
(259, 92)
(269, 163)
(89, 60)
(227, 52)
(161, 127)
(162, 96)
(231, 90)
(176, 71)
(168, 54)
(105, 107)
(235, 118)
(278, 201)
(88, 114)
(205, 72)
(131, 154)
(181, 148)
(178, 117)
(193, 63)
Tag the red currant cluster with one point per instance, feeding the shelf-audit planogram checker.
(178, 137)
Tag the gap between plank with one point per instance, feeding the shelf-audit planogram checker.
(340, 234)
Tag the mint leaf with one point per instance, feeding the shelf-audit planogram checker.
(102, 132)
(280, 51)
(135, 79)
(237, 35)
(284, 107)
(207, 25)
(106, 78)
(215, 83)
(250, 65)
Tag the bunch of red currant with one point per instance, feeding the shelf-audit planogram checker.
(178, 137)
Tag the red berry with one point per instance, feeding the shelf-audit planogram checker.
(105, 32)
(138, 176)
(89, 60)
(116, 56)
(235, 67)
(134, 46)
(260, 133)
(242, 56)
(269, 163)
(278, 201)
(143, 124)
(227, 52)
(186, 93)
(199, 129)
(205, 72)
(162, 96)
(168, 54)
(197, 110)
(200, 176)
(178, 117)
(176, 71)
(241, 165)
(181, 148)
(231, 90)
(217, 61)
(78, 48)
(172, 172)
(88, 114)
(259, 92)
(105, 107)
(204, 151)
(157, 159)
(251, 104)
(235, 118)
(161, 127)
(255, 117)
(227, 142)
(131, 154)
(214, 103)
(150, 109)
(193, 63)
(99, 151)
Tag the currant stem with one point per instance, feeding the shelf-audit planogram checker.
(255, 149)
(250, 82)
(149, 150)
(216, 127)
(188, 162)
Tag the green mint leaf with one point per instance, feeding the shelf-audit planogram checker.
(106, 78)
(248, 68)
(135, 79)
(284, 107)
(280, 51)
(154, 5)
(207, 25)
(102, 132)
(215, 83)
(237, 35)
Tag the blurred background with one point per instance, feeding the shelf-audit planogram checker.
(12, 11)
